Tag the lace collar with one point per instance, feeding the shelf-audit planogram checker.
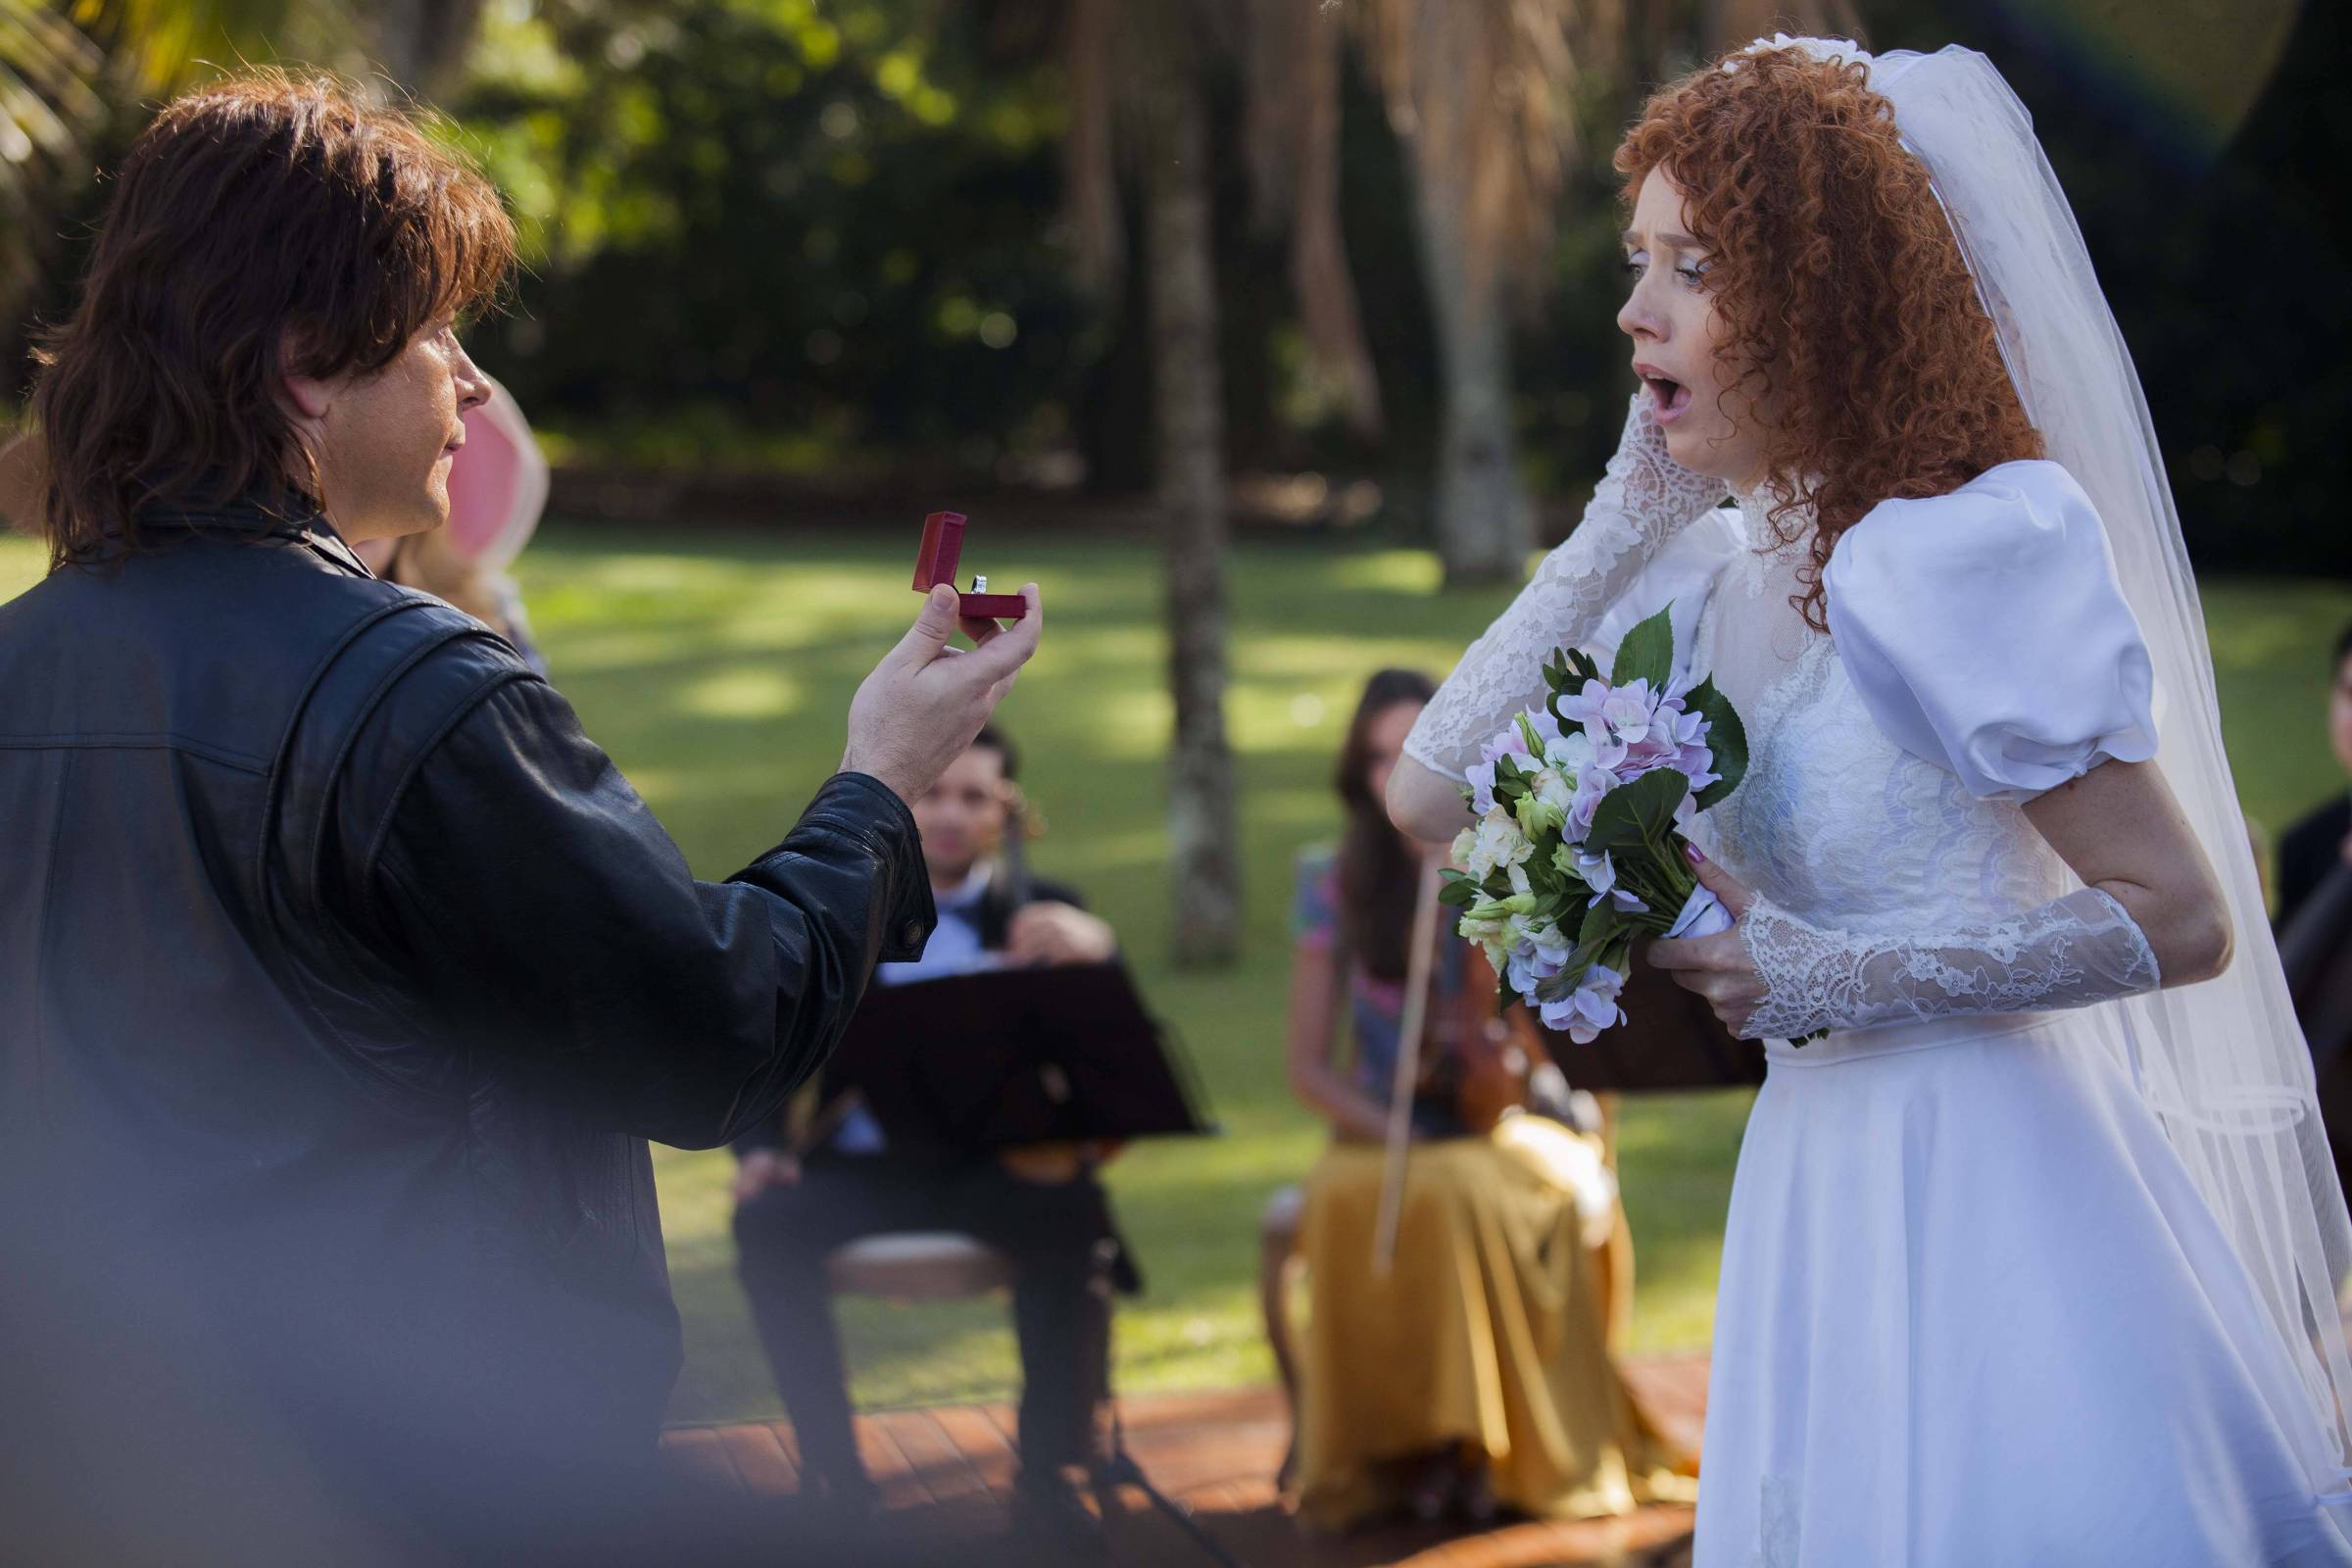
(1764, 539)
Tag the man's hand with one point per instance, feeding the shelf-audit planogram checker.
(762, 1170)
(1059, 933)
(923, 703)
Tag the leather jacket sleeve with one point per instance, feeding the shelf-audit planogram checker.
(554, 929)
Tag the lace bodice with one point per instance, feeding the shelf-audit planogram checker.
(1836, 823)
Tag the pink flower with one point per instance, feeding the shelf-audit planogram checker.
(1703, 915)
(1507, 741)
(1584, 706)
(1481, 775)
(1629, 712)
(1590, 1009)
(1600, 875)
(1593, 782)
(1534, 961)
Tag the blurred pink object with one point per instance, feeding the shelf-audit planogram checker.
(497, 485)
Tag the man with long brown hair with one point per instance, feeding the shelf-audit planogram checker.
(342, 978)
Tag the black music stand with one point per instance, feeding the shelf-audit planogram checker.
(978, 1062)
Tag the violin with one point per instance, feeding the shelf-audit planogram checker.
(1449, 1054)
(1476, 1063)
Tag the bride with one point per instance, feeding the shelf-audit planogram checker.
(2034, 1259)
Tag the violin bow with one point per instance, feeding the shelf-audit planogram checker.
(1419, 964)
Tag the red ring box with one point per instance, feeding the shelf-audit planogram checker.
(935, 561)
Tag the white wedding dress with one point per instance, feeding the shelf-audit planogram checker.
(1973, 1311)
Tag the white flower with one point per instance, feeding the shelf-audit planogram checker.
(1497, 842)
(1818, 48)
(1571, 753)
(1545, 807)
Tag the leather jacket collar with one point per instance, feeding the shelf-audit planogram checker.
(290, 516)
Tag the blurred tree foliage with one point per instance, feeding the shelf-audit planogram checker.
(821, 236)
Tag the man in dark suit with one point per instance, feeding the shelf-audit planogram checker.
(2316, 845)
(342, 977)
(1044, 1208)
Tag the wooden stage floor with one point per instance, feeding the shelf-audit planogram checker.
(945, 1476)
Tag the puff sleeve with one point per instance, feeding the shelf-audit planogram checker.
(1985, 632)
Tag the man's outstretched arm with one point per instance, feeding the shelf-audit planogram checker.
(553, 924)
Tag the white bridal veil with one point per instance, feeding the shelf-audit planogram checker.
(2223, 1063)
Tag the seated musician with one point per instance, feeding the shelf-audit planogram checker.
(1474, 1374)
(1043, 1207)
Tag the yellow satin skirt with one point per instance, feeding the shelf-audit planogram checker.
(1490, 1334)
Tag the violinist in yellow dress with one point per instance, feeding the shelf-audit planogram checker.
(1473, 1375)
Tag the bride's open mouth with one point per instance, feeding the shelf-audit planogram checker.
(1668, 397)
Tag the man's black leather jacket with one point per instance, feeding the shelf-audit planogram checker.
(342, 980)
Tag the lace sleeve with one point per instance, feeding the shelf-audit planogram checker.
(1643, 500)
(2069, 952)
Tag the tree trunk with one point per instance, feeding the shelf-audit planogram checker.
(421, 43)
(1485, 525)
(1205, 855)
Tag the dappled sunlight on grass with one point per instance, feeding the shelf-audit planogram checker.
(21, 564)
(741, 691)
(1396, 572)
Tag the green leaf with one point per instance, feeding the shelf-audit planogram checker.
(1727, 739)
(1540, 877)
(1459, 891)
(1601, 922)
(1647, 652)
(1563, 984)
(1557, 673)
(1566, 673)
(1638, 814)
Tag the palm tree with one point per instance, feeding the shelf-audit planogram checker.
(52, 107)
(1479, 91)
(1487, 97)
(73, 72)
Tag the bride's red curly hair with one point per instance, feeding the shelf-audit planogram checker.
(1848, 308)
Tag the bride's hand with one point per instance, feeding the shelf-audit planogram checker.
(1717, 967)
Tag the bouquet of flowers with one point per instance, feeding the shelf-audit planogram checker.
(1578, 846)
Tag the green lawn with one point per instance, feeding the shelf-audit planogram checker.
(716, 668)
